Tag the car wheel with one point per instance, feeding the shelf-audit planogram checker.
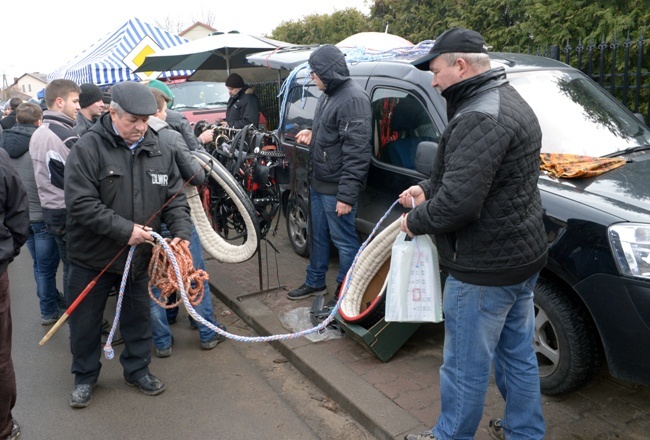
(566, 342)
(297, 218)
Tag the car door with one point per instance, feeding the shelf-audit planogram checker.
(402, 117)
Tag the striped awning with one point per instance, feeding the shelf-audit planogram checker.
(104, 62)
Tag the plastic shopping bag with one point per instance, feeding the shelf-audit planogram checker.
(413, 293)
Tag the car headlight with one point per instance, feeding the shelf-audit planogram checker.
(631, 245)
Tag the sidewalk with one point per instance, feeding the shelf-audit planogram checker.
(402, 395)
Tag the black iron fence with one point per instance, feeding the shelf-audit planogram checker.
(621, 67)
(267, 93)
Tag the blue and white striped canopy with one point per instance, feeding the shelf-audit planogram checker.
(102, 63)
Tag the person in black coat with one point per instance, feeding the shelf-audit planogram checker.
(483, 205)
(119, 186)
(10, 120)
(243, 106)
(14, 231)
(339, 152)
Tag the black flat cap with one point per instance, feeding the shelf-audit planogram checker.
(452, 41)
(135, 98)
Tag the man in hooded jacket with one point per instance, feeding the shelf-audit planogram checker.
(340, 151)
(41, 244)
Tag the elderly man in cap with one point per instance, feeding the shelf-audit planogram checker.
(119, 186)
(91, 107)
(484, 208)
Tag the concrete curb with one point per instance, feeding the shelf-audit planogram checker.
(377, 413)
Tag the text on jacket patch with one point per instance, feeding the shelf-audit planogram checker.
(159, 179)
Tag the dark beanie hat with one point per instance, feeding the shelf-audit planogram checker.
(235, 81)
(134, 98)
(89, 95)
(106, 98)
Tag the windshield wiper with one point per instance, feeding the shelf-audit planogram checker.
(629, 150)
(216, 103)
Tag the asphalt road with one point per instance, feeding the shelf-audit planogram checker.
(236, 391)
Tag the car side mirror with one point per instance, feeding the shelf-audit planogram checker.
(424, 156)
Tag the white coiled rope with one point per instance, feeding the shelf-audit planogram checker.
(108, 349)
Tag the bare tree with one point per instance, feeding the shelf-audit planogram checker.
(175, 26)
(206, 17)
(172, 25)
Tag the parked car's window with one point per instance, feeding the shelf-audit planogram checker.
(400, 123)
(577, 116)
(199, 94)
(301, 109)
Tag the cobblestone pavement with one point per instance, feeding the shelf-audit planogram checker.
(402, 395)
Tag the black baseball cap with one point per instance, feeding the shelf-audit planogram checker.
(453, 40)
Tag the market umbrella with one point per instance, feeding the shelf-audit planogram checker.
(217, 52)
(287, 58)
(374, 41)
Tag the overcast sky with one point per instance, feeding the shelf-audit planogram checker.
(42, 35)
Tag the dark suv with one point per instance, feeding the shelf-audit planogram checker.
(592, 301)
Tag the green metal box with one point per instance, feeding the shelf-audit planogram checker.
(382, 339)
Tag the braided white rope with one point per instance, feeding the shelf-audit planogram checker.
(370, 261)
(108, 350)
(212, 242)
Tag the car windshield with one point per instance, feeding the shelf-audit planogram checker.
(199, 94)
(577, 116)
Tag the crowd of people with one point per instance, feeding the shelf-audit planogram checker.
(72, 177)
(73, 199)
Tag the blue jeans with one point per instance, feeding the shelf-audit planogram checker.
(59, 236)
(162, 335)
(485, 324)
(45, 253)
(326, 225)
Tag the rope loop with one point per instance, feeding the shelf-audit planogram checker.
(162, 275)
(172, 268)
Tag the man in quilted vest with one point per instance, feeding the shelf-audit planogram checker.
(483, 206)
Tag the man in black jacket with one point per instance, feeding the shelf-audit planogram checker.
(243, 106)
(14, 230)
(119, 186)
(41, 244)
(91, 107)
(484, 208)
(339, 156)
(190, 171)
